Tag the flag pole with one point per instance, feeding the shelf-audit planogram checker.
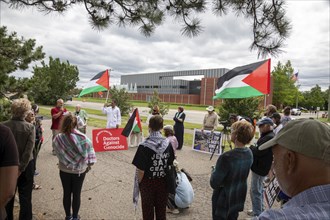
(106, 100)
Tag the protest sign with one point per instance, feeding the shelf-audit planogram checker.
(109, 140)
(206, 141)
(271, 192)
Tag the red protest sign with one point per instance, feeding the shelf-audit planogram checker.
(109, 140)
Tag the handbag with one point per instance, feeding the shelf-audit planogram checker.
(171, 179)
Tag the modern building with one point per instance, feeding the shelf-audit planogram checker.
(173, 86)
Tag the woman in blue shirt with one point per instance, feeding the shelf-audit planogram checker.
(229, 176)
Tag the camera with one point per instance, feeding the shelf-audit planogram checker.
(225, 123)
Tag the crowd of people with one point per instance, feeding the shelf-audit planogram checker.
(296, 152)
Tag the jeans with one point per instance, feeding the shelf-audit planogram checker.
(24, 186)
(256, 193)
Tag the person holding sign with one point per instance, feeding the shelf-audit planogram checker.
(210, 121)
(152, 159)
(302, 167)
(229, 177)
(113, 115)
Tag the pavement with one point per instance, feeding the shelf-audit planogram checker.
(108, 187)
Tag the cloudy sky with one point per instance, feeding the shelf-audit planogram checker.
(224, 43)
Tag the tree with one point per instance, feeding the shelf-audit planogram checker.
(53, 81)
(244, 107)
(284, 90)
(16, 54)
(5, 105)
(316, 97)
(155, 100)
(122, 99)
(19, 86)
(270, 26)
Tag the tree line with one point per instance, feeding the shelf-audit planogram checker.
(57, 79)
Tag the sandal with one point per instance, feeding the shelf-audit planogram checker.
(36, 187)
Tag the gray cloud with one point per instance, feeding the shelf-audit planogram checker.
(224, 43)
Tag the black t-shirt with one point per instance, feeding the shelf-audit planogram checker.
(154, 165)
(8, 148)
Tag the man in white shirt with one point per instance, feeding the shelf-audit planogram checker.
(113, 115)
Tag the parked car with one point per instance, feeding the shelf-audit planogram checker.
(69, 98)
(295, 111)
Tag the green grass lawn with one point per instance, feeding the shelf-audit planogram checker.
(145, 104)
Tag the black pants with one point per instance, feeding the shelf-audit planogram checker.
(72, 185)
(24, 186)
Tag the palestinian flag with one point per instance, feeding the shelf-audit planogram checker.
(98, 83)
(245, 81)
(133, 124)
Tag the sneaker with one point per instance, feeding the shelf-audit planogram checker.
(68, 218)
(173, 211)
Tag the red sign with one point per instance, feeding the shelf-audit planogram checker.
(109, 140)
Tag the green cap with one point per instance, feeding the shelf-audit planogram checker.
(305, 136)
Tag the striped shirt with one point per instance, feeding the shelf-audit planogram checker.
(313, 203)
(74, 151)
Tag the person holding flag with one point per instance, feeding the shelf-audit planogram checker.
(113, 114)
(133, 129)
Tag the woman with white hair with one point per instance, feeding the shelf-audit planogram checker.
(24, 134)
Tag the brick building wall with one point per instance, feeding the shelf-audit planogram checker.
(208, 87)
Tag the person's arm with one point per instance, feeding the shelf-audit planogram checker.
(139, 161)
(219, 174)
(215, 122)
(140, 174)
(182, 117)
(85, 116)
(204, 122)
(8, 178)
(28, 149)
(104, 109)
(56, 115)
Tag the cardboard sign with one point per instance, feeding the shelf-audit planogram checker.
(206, 141)
(109, 140)
(271, 192)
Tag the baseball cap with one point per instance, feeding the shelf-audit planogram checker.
(305, 136)
(264, 121)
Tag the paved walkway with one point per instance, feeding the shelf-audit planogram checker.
(108, 187)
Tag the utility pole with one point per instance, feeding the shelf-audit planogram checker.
(298, 85)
